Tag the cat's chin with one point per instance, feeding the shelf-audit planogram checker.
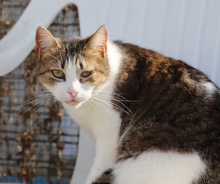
(73, 103)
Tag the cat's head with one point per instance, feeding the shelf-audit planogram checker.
(73, 70)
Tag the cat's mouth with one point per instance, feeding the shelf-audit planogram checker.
(72, 102)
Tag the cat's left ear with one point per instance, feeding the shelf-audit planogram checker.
(98, 41)
(44, 41)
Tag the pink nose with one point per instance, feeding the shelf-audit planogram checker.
(72, 93)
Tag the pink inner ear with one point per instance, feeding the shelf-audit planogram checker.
(44, 39)
(99, 41)
(104, 41)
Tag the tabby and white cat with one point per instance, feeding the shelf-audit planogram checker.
(156, 120)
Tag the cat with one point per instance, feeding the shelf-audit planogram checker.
(156, 120)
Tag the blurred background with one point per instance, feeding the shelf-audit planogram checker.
(38, 141)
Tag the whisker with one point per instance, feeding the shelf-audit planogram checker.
(111, 104)
(101, 106)
(36, 106)
(39, 109)
(33, 100)
(106, 98)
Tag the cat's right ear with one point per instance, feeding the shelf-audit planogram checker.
(44, 40)
(98, 41)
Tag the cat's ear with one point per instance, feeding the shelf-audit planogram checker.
(98, 41)
(44, 40)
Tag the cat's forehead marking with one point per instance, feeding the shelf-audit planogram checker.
(65, 58)
(78, 61)
(74, 52)
(75, 46)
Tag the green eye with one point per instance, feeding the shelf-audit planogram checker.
(58, 74)
(86, 74)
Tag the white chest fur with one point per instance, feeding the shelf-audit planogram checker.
(99, 119)
(103, 122)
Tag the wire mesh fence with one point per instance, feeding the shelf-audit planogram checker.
(38, 141)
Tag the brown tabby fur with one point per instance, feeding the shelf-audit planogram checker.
(170, 108)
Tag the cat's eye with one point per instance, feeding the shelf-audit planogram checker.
(58, 74)
(86, 74)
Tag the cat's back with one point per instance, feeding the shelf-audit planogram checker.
(174, 107)
(151, 71)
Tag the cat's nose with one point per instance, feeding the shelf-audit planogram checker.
(72, 93)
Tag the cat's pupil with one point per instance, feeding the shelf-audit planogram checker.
(58, 74)
(86, 74)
